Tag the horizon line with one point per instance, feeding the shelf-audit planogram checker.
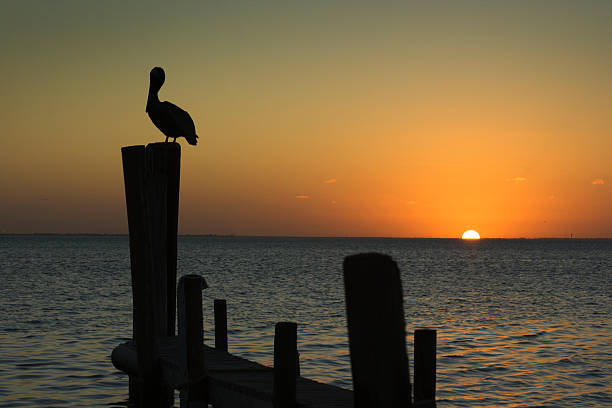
(288, 236)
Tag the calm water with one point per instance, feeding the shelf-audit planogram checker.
(520, 322)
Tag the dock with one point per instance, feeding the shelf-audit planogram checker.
(162, 358)
(232, 378)
(234, 382)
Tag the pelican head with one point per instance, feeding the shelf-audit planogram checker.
(158, 76)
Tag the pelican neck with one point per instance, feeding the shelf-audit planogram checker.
(153, 94)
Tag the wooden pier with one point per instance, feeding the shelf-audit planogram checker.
(236, 382)
(158, 360)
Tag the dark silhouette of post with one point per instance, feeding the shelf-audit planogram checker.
(155, 190)
(145, 190)
(220, 307)
(376, 329)
(194, 338)
(165, 159)
(425, 368)
(133, 158)
(286, 365)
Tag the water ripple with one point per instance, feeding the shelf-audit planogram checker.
(520, 322)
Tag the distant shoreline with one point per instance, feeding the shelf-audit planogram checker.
(52, 234)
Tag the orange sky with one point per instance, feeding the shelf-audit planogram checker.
(314, 120)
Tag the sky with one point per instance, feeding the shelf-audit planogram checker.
(396, 119)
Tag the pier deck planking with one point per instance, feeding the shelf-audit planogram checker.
(232, 374)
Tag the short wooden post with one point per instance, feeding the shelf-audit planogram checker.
(376, 329)
(220, 307)
(194, 337)
(425, 368)
(286, 365)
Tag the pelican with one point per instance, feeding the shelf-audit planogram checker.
(169, 118)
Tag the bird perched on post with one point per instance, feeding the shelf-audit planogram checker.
(169, 118)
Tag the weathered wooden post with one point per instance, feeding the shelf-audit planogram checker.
(133, 158)
(376, 329)
(142, 192)
(220, 307)
(286, 365)
(155, 190)
(425, 368)
(146, 177)
(173, 172)
(165, 159)
(197, 391)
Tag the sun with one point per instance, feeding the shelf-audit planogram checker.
(470, 234)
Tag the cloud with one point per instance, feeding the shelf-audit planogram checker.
(330, 181)
(597, 181)
(411, 202)
(519, 179)
(302, 196)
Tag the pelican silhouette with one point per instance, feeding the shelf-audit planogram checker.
(167, 117)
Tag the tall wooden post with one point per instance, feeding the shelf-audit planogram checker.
(425, 368)
(286, 365)
(376, 329)
(146, 206)
(220, 307)
(133, 158)
(165, 158)
(151, 190)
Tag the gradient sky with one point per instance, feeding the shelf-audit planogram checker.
(315, 118)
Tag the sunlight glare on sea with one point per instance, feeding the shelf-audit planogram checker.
(520, 322)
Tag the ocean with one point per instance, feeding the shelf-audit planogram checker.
(520, 322)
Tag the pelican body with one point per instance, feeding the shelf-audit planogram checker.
(167, 117)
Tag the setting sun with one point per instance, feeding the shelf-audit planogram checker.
(470, 234)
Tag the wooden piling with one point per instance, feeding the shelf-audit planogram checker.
(220, 307)
(194, 337)
(425, 368)
(156, 200)
(165, 159)
(146, 191)
(155, 187)
(133, 158)
(376, 329)
(286, 365)
(138, 190)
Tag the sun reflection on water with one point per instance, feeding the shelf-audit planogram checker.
(519, 323)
